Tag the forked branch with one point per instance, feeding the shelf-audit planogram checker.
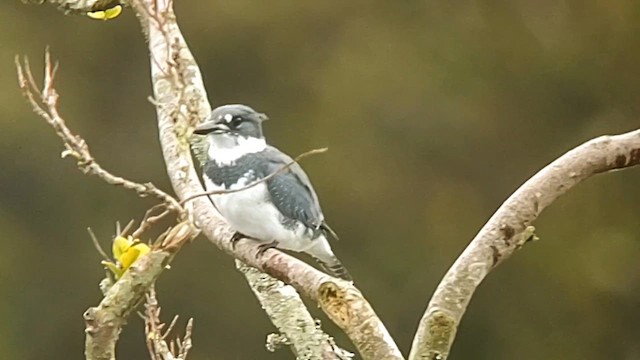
(104, 322)
(159, 345)
(508, 229)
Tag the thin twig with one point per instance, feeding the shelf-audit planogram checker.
(266, 178)
(170, 327)
(104, 322)
(145, 224)
(96, 243)
(78, 6)
(46, 106)
(126, 229)
(185, 345)
(149, 219)
(159, 348)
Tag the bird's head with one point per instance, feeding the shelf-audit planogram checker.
(232, 121)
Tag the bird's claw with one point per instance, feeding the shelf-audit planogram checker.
(235, 238)
(262, 248)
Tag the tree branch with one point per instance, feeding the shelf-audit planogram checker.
(181, 103)
(290, 316)
(508, 229)
(78, 6)
(104, 322)
(156, 334)
(46, 106)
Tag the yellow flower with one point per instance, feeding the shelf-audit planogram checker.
(125, 252)
(106, 14)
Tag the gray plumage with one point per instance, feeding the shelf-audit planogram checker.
(285, 208)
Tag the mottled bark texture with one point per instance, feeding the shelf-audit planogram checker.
(78, 6)
(508, 229)
(104, 322)
(296, 327)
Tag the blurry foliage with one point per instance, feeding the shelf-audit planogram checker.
(433, 111)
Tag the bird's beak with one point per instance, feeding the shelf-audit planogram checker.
(210, 127)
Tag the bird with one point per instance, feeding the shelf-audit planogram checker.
(282, 211)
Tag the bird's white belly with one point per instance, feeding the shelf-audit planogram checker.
(251, 213)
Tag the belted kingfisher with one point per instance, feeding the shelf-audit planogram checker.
(282, 211)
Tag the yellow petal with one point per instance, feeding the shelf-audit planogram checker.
(129, 257)
(98, 15)
(142, 247)
(107, 14)
(113, 13)
(120, 246)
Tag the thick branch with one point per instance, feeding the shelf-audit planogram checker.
(78, 6)
(104, 322)
(508, 229)
(289, 315)
(181, 102)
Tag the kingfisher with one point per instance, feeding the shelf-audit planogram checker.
(282, 211)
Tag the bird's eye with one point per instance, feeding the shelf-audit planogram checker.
(236, 121)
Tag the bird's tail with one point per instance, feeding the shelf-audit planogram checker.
(333, 266)
(321, 252)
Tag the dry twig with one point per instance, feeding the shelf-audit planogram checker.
(103, 323)
(46, 106)
(78, 6)
(156, 334)
(264, 179)
(97, 245)
(150, 218)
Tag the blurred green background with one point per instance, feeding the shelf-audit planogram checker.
(433, 111)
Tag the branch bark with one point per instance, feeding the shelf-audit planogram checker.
(508, 229)
(289, 315)
(78, 6)
(161, 348)
(181, 102)
(104, 322)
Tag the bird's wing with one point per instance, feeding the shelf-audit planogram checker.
(292, 192)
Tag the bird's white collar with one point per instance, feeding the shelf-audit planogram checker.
(225, 149)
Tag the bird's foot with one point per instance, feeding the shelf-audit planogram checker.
(264, 247)
(235, 238)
